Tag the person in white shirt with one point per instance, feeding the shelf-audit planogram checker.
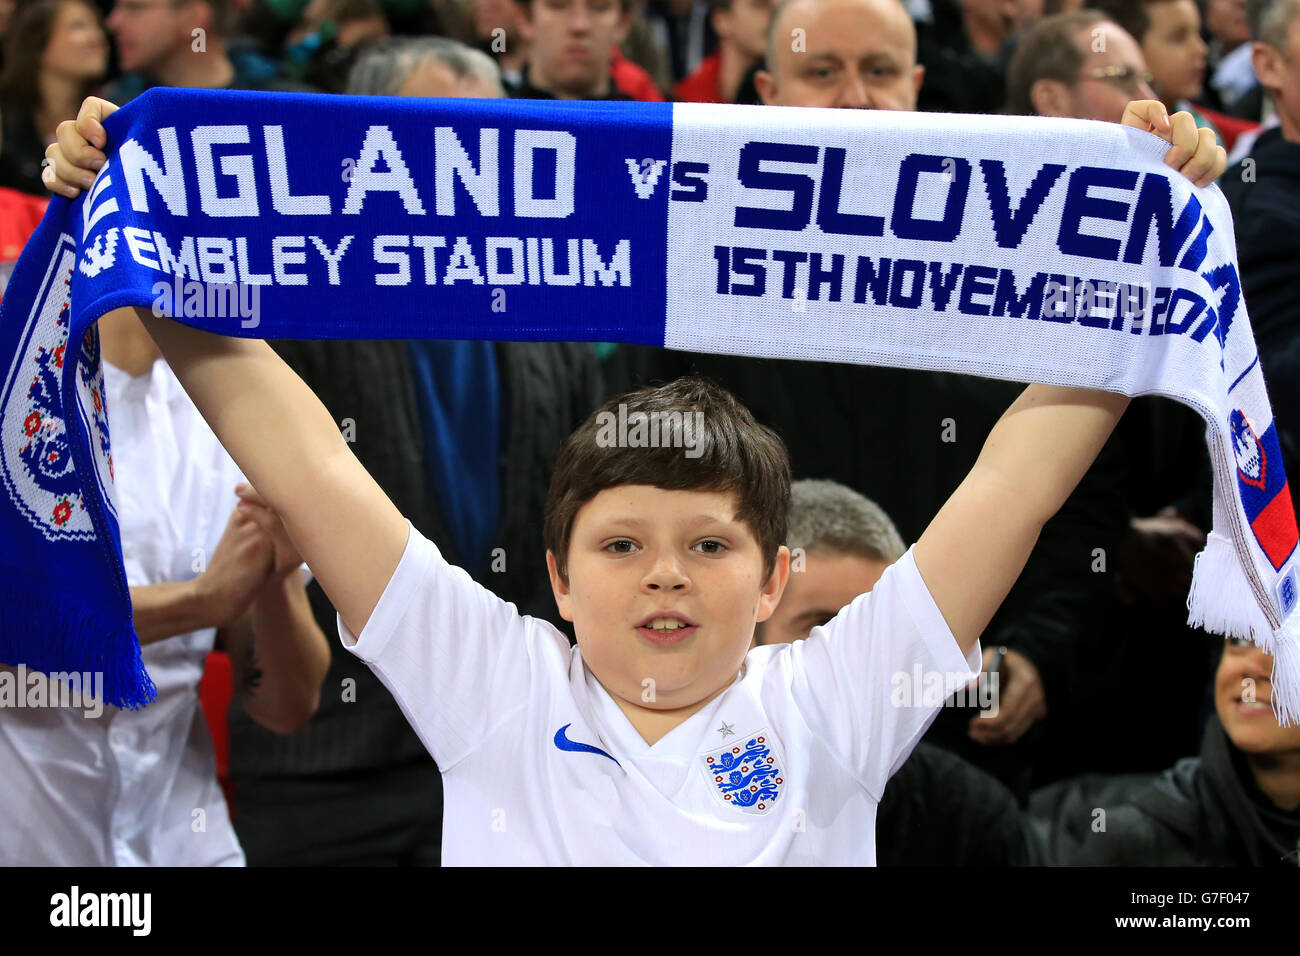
(98, 786)
(661, 738)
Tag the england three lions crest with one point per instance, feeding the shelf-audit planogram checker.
(36, 445)
(748, 774)
(1252, 462)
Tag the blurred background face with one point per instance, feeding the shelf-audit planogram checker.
(1226, 20)
(744, 26)
(857, 54)
(148, 32)
(1103, 97)
(491, 14)
(1244, 672)
(1174, 50)
(77, 47)
(570, 43)
(830, 580)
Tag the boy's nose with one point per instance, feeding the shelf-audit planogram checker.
(667, 574)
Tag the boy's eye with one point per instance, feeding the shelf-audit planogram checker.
(717, 546)
(615, 545)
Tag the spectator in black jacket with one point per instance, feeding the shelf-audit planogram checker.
(938, 809)
(356, 786)
(1237, 804)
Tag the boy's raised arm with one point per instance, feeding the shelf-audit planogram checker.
(283, 439)
(978, 543)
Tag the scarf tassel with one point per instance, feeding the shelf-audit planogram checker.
(1222, 602)
(66, 637)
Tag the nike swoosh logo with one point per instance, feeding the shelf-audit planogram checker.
(564, 743)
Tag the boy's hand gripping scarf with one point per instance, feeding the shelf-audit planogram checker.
(1024, 249)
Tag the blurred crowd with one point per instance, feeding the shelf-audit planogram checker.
(1106, 699)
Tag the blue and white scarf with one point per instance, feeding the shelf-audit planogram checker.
(1023, 249)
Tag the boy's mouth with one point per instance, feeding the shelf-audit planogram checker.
(664, 628)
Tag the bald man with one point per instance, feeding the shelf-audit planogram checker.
(857, 54)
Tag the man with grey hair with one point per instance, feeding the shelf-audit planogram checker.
(840, 544)
(424, 66)
(938, 809)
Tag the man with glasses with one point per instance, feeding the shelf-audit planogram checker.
(183, 43)
(1080, 65)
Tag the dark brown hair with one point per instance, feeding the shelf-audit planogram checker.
(1130, 14)
(29, 32)
(1049, 50)
(735, 454)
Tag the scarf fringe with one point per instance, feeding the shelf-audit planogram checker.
(64, 636)
(1222, 602)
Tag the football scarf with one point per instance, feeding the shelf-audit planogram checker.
(1032, 250)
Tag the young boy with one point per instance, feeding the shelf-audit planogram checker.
(658, 739)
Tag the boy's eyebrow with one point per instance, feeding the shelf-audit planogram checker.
(638, 523)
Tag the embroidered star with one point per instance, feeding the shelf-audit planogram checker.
(726, 730)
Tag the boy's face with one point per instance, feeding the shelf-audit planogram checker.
(638, 554)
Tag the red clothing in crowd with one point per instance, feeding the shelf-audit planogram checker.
(702, 85)
(632, 79)
(20, 214)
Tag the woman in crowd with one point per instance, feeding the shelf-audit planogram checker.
(1237, 804)
(55, 56)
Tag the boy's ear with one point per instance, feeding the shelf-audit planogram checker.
(770, 596)
(563, 599)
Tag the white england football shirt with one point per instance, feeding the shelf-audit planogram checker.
(540, 766)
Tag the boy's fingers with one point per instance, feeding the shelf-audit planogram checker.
(90, 120)
(1209, 162)
(1185, 138)
(63, 173)
(75, 149)
(1149, 115)
(52, 183)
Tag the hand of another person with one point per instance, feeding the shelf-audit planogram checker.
(1021, 701)
(287, 558)
(1196, 153)
(240, 565)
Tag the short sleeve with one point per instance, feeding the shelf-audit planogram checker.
(454, 655)
(871, 681)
